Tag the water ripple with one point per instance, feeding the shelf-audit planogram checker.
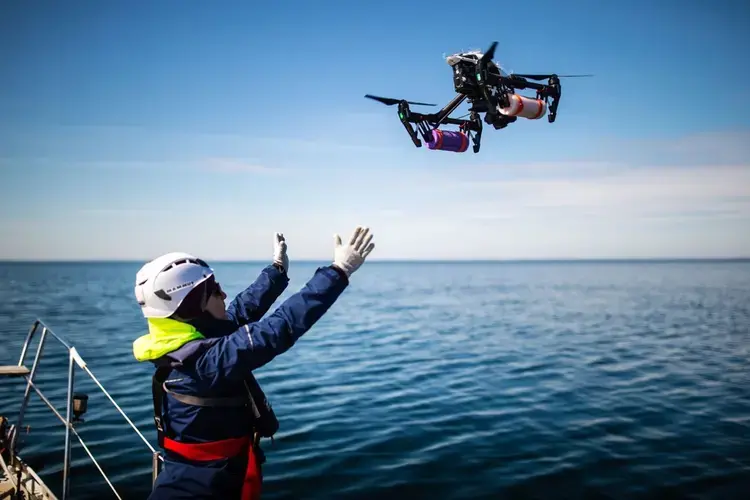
(439, 380)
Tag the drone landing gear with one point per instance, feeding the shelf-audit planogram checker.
(474, 124)
(426, 123)
(552, 90)
(405, 115)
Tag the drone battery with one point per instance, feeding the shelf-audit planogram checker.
(533, 109)
(448, 140)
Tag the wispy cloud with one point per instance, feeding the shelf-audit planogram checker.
(616, 193)
(707, 148)
(234, 165)
(679, 180)
(118, 212)
(604, 207)
(388, 212)
(311, 142)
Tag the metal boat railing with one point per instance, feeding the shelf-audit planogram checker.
(76, 406)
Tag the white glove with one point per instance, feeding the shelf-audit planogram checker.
(349, 257)
(279, 251)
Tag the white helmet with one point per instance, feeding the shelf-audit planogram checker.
(162, 284)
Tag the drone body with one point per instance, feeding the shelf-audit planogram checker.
(489, 90)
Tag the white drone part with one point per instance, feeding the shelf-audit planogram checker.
(472, 57)
(453, 59)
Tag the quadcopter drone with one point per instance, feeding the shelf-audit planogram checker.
(491, 91)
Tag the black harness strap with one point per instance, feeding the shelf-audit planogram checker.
(199, 401)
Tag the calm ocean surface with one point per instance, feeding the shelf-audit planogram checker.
(437, 380)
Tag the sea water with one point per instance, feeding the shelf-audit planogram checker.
(435, 380)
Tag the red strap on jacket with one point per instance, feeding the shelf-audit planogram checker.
(226, 448)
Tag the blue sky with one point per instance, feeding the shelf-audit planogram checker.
(128, 129)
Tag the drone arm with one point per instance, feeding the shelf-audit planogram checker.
(442, 116)
(521, 83)
(451, 121)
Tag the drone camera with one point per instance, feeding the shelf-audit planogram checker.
(464, 79)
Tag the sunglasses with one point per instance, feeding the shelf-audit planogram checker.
(212, 288)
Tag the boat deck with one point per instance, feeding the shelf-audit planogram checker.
(32, 487)
(13, 371)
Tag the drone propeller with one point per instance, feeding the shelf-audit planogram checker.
(536, 76)
(388, 101)
(489, 55)
(482, 76)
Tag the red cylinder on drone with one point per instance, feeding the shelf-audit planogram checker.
(525, 107)
(448, 140)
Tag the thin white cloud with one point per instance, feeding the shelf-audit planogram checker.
(234, 165)
(706, 148)
(538, 210)
(117, 212)
(387, 212)
(627, 191)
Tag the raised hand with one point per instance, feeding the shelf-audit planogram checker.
(279, 251)
(351, 256)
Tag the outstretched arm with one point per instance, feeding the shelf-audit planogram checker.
(255, 344)
(252, 303)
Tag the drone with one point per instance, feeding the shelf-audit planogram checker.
(489, 90)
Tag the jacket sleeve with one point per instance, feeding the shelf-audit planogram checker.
(255, 301)
(255, 344)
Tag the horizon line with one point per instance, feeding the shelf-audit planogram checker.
(405, 260)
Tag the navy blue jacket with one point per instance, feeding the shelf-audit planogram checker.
(217, 367)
